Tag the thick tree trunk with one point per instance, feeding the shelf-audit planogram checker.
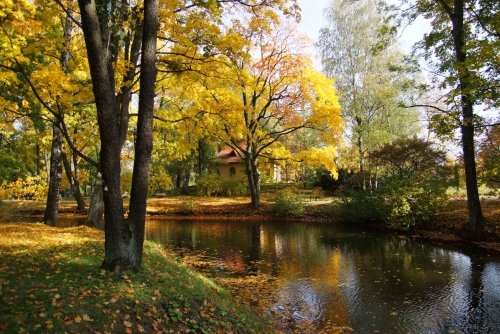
(123, 238)
(476, 219)
(75, 186)
(144, 141)
(53, 195)
(117, 232)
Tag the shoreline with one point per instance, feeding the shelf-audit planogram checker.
(445, 229)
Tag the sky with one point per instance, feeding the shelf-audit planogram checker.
(313, 19)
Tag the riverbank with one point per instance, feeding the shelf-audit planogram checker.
(50, 282)
(447, 226)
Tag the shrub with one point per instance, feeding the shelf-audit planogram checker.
(188, 207)
(287, 204)
(399, 202)
(212, 185)
(412, 182)
(411, 201)
(209, 185)
(359, 207)
(160, 183)
(234, 188)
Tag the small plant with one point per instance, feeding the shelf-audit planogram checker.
(287, 204)
(188, 207)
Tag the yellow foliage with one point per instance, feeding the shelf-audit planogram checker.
(160, 182)
(319, 157)
(29, 188)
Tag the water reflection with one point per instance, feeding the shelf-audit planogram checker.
(339, 278)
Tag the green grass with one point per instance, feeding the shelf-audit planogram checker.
(50, 282)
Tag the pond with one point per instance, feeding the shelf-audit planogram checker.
(346, 280)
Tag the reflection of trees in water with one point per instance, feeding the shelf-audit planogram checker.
(355, 278)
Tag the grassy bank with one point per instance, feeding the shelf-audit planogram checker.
(50, 281)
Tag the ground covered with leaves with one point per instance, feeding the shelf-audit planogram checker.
(50, 282)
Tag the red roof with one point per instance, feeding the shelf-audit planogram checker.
(229, 155)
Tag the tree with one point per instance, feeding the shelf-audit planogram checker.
(124, 238)
(32, 60)
(369, 77)
(489, 158)
(411, 188)
(108, 26)
(264, 94)
(463, 46)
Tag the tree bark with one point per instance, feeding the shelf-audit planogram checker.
(144, 140)
(38, 159)
(96, 210)
(253, 177)
(53, 195)
(117, 232)
(123, 237)
(476, 219)
(74, 184)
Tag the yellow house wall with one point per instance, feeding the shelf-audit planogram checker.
(225, 175)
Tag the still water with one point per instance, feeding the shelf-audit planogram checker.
(361, 282)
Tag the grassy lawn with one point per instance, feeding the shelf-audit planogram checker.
(50, 282)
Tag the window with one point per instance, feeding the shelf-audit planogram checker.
(232, 171)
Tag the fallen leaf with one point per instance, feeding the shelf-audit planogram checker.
(127, 323)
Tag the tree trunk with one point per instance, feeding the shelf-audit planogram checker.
(75, 187)
(361, 163)
(123, 237)
(53, 195)
(96, 210)
(476, 219)
(117, 232)
(144, 141)
(38, 159)
(253, 177)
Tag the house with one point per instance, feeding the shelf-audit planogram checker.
(230, 166)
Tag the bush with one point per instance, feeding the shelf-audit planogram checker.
(212, 185)
(412, 181)
(412, 201)
(398, 202)
(188, 207)
(234, 188)
(287, 204)
(209, 185)
(359, 207)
